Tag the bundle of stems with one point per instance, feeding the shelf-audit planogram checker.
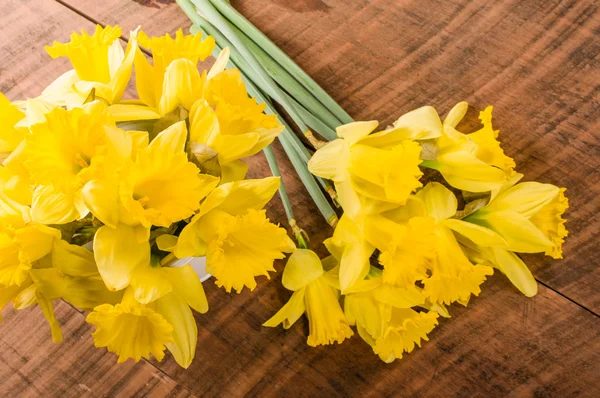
(272, 77)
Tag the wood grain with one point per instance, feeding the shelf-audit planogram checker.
(536, 61)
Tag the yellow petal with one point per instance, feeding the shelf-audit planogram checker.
(525, 198)
(182, 86)
(102, 198)
(353, 132)
(186, 283)
(220, 63)
(185, 332)
(456, 114)
(233, 147)
(73, 260)
(117, 253)
(50, 206)
(478, 234)
(129, 112)
(516, 270)
(48, 310)
(233, 171)
(148, 283)
(290, 312)
(204, 124)
(302, 267)
(521, 234)
(464, 171)
(170, 139)
(421, 124)
(166, 242)
(236, 198)
(439, 201)
(331, 161)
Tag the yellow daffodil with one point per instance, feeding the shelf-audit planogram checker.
(528, 216)
(417, 245)
(161, 186)
(230, 123)
(135, 330)
(21, 244)
(352, 250)
(315, 296)
(239, 242)
(73, 277)
(171, 56)
(383, 166)
(471, 162)
(59, 154)
(99, 63)
(130, 329)
(405, 330)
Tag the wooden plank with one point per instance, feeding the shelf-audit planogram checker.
(536, 61)
(504, 344)
(156, 17)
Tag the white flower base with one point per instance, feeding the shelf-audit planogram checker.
(197, 263)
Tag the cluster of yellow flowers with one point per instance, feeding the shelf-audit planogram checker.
(100, 195)
(430, 254)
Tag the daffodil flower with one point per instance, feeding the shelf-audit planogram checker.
(134, 330)
(417, 244)
(99, 63)
(384, 319)
(232, 230)
(157, 188)
(472, 162)
(528, 216)
(383, 166)
(230, 123)
(315, 296)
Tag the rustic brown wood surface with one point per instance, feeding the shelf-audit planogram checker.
(537, 61)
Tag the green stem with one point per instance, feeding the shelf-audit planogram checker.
(286, 62)
(289, 84)
(299, 233)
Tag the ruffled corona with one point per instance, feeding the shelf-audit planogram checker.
(130, 331)
(89, 54)
(408, 259)
(60, 151)
(243, 248)
(549, 220)
(405, 330)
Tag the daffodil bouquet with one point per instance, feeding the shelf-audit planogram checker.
(105, 202)
(100, 197)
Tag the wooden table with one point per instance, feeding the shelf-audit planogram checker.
(537, 61)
